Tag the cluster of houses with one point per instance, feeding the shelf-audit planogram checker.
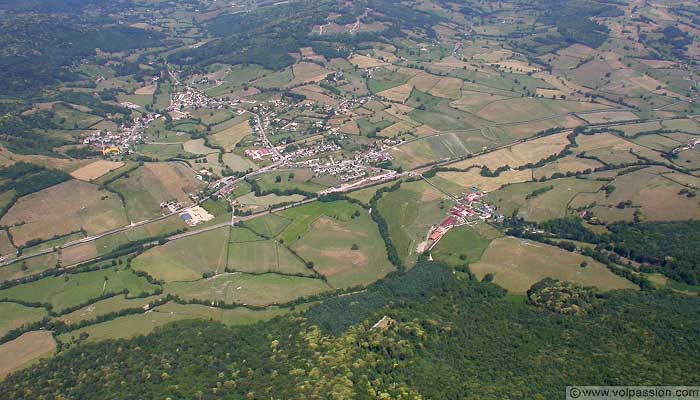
(172, 206)
(123, 140)
(470, 207)
(691, 145)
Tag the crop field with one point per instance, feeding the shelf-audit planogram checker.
(34, 265)
(6, 247)
(613, 150)
(609, 116)
(257, 203)
(650, 192)
(68, 290)
(564, 165)
(269, 225)
(153, 183)
(527, 109)
(409, 212)
(295, 179)
(464, 244)
(103, 307)
(519, 154)
(303, 217)
(255, 290)
(197, 146)
(79, 253)
(64, 208)
(553, 203)
(518, 264)
(473, 178)
(229, 137)
(347, 253)
(186, 259)
(164, 226)
(25, 350)
(262, 256)
(95, 170)
(362, 61)
(13, 315)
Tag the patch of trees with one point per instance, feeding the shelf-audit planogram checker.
(422, 351)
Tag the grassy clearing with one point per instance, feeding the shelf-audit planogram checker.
(257, 290)
(103, 307)
(410, 212)
(164, 226)
(26, 349)
(64, 208)
(302, 217)
(69, 290)
(552, 203)
(28, 267)
(186, 259)
(518, 264)
(461, 245)
(263, 256)
(144, 189)
(347, 253)
(13, 315)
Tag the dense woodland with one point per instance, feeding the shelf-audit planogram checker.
(446, 338)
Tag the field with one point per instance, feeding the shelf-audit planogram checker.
(95, 170)
(153, 183)
(261, 256)
(330, 245)
(24, 350)
(64, 208)
(13, 315)
(295, 179)
(519, 154)
(143, 324)
(464, 244)
(269, 225)
(229, 137)
(518, 264)
(69, 290)
(410, 212)
(473, 178)
(255, 290)
(303, 217)
(103, 307)
(553, 203)
(650, 192)
(186, 259)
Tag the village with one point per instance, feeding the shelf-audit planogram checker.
(469, 208)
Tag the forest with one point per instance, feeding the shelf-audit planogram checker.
(443, 338)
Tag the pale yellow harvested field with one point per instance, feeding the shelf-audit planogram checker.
(350, 128)
(564, 165)
(316, 93)
(518, 264)
(607, 145)
(398, 93)
(308, 72)
(95, 170)
(448, 88)
(366, 62)
(577, 50)
(64, 164)
(495, 56)
(517, 66)
(424, 81)
(25, 349)
(609, 116)
(75, 254)
(147, 90)
(64, 208)
(397, 129)
(549, 93)
(520, 154)
(228, 138)
(473, 178)
(424, 130)
(471, 101)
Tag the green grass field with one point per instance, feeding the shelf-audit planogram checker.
(103, 307)
(264, 256)
(409, 212)
(71, 289)
(302, 217)
(13, 316)
(256, 290)
(268, 225)
(461, 245)
(300, 179)
(186, 259)
(329, 245)
(517, 264)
